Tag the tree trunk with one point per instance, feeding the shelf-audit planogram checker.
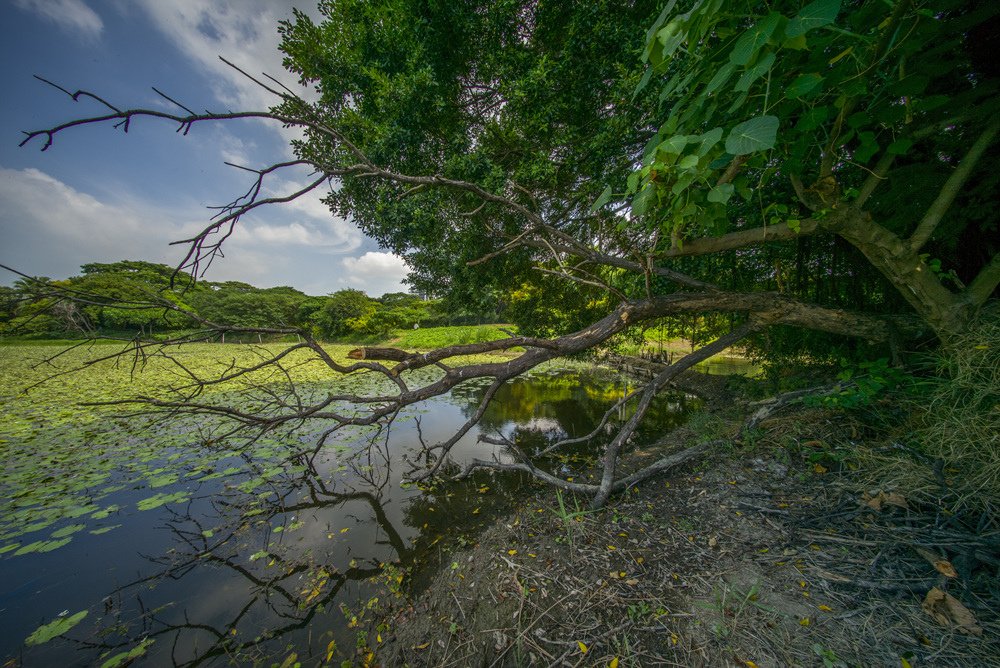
(945, 312)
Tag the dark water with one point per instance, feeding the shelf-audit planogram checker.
(253, 567)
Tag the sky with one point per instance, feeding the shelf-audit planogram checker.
(100, 195)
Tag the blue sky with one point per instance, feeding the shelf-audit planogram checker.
(100, 195)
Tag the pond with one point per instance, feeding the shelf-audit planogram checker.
(134, 537)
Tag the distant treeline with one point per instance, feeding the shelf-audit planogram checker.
(128, 297)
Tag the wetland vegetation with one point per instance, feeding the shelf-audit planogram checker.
(162, 536)
(808, 183)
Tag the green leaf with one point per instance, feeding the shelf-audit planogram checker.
(814, 15)
(867, 149)
(42, 546)
(55, 628)
(103, 530)
(708, 140)
(632, 182)
(749, 43)
(794, 224)
(720, 194)
(754, 73)
(124, 658)
(643, 82)
(900, 146)
(812, 119)
(757, 134)
(798, 43)
(674, 144)
(721, 77)
(67, 530)
(601, 200)
(803, 85)
(688, 162)
(162, 499)
(642, 201)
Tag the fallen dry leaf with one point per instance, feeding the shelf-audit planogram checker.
(883, 499)
(944, 567)
(940, 564)
(949, 611)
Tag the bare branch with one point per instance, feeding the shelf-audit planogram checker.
(984, 283)
(952, 187)
(875, 178)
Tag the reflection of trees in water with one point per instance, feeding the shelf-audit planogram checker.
(576, 403)
(253, 609)
(275, 595)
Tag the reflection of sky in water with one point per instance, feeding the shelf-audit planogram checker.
(183, 573)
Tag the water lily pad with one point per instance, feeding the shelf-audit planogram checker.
(57, 627)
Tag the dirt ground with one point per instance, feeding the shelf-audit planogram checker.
(764, 554)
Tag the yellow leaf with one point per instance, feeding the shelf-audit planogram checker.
(819, 468)
(804, 621)
(583, 648)
(674, 639)
(842, 54)
(826, 608)
(750, 664)
(378, 637)
(345, 530)
(512, 552)
(424, 646)
(612, 548)
(330, 649)
(613, 663)
(476, 511)
(904, 663)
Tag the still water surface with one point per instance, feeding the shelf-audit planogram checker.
(247, 568)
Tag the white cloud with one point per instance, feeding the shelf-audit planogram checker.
(74, 16)
(375, 272)
(245, 33)
(50, 228)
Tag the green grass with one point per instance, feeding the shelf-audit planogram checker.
(955, 427)
(428, 338)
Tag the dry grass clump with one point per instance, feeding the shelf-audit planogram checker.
(953, 454)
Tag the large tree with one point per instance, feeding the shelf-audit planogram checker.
(772, 162)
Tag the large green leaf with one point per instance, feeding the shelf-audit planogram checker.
(814, 15)
(757, 134)
(749, 43)
(602, 200)
(708, 140)
(803, 85)
(644, 200)
(721, 193)
(57, 627)
(754, 73)
(721, 77)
